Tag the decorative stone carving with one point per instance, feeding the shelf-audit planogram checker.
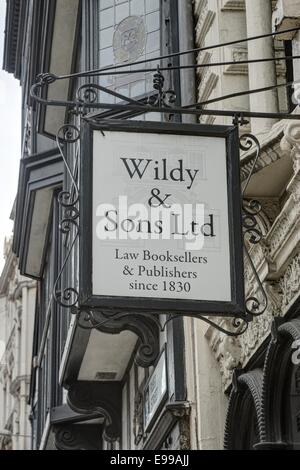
(287, 222)
(232, 353)
(236, 54)
(275, 296)
(203, 58)
(205, 20)
(129, 39)
(207, 85)
(271, 208)
(227, 352)
(286, 16)
(291, 143)
(290, 281)
(254, 336)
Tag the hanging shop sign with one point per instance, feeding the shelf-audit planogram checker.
(160, 218)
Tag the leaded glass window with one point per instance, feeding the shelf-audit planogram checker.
(128, 31)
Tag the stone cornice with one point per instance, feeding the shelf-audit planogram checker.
(280, 141)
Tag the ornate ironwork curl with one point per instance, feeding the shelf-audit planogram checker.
(68, 297)
(46, 78)
(90, 322)
(68, 134)
(253, 305)
(239, 323)
(249, 142)
(86, 319)
(145, 326)
(88, 94)
(68, 200)
(252, 231)
(165, 98)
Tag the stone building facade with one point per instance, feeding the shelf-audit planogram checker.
(17, 305)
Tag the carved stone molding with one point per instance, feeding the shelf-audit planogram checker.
(203, 58)
(232, 353)
(291, 143)
(104, 398)
(285, 225)
(205, 20)
(227, 352)
(207, 84)
(146, 327)
(78, 436)
(290, 282)
(235, 5)
(286, 16)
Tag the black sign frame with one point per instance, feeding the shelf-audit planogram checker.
(233, 308)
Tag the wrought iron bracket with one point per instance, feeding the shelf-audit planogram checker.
(165, 99)
(145, 324)
(68, 200)
(252, 233)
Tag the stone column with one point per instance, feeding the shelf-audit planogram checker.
(259, 21)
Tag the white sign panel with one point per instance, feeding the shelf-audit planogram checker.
(181, 170)
(161, 217)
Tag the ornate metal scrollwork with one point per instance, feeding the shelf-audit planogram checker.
(145, 326)
(239, 324)
(68, 200)
(88, 94)
(252, 232)
(166, 98)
